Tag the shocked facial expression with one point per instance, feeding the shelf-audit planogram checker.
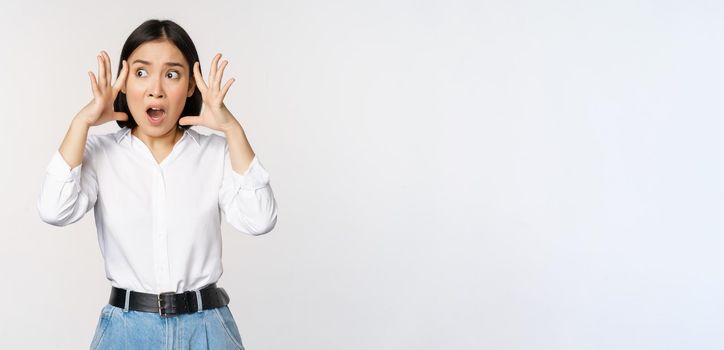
(158, 83)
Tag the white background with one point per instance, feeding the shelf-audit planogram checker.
(450, 175)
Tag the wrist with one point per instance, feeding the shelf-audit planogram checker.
(80, 121)
(232, 126)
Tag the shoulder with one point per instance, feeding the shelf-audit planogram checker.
(214, 141)
(98, 141)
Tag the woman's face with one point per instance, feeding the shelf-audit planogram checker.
(158, 83)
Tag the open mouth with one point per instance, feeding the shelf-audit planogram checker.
(155, 115)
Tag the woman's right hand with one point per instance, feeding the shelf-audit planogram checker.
(100, 109)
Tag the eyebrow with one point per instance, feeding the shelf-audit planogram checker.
(172, 64)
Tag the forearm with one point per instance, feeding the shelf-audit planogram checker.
(74, 142)
(68, 192)
(240, 151)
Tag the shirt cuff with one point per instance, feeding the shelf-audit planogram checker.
(255, 177)
(59, 168)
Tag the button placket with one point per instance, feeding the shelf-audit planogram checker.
(160, 237)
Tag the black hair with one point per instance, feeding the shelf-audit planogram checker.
(151, 30)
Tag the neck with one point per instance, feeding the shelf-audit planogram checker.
(163, 141)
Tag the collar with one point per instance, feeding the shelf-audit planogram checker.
(125, 132)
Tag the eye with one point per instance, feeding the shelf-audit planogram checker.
(140, 70)
(173, 74)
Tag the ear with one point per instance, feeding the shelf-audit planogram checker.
(192, 87)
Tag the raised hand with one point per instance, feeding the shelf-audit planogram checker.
(100, 109)
(214, 114)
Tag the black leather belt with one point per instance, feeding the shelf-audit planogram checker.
(169, 303)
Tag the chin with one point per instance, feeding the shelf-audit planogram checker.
(164, 127)
(157, 130)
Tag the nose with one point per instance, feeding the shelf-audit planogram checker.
(155, 89)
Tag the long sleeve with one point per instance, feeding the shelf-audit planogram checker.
(66, 194)
(247, 200)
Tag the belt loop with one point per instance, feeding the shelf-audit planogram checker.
(128, 300)
(198, 301)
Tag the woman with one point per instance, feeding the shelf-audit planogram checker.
(158, 189)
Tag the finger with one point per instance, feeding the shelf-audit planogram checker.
(104, 74)
(121, 80)
(220, 74)
(101, 72)
(226, 87)
(214, 67)
(200, 84)
(107, 61)
(94, 84)
(190, 120)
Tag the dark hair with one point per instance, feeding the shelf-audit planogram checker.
(150, 30)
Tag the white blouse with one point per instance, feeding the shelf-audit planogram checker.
(159, 225)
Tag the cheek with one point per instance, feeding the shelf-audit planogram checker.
(177, 95)
(134, 94)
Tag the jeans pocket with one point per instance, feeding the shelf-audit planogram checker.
(103, 320)
(227, 322)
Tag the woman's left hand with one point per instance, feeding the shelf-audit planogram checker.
(214, 114)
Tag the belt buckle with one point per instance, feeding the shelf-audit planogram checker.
(161, 308)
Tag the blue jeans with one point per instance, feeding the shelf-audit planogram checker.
(207, 329)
